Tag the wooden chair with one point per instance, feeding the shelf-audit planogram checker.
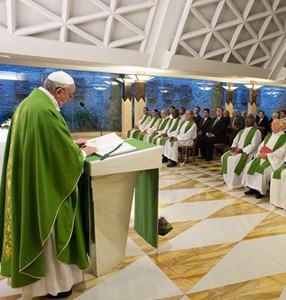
(219, 147)
(184, 152)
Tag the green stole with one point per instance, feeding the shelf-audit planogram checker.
(243, 158)
(174, 128)
(188, 127)
(143, 119)
(163, 123)
(277, 173)
(39, 193)
(255, 166)
(140, 136)
(137, 131)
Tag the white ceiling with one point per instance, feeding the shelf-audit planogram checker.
(233, 40)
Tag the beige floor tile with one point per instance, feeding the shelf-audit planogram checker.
(210, 194)
(259, 289)
(186, 267)
(237, 208)
(273, 224)
(190, 183)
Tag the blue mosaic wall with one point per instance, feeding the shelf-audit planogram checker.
(161, 92)
(103, 101)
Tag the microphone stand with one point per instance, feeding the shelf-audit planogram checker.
(93, 121)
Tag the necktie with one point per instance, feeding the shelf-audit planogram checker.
(216, 120)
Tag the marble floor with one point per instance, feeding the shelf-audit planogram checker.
(224, 245)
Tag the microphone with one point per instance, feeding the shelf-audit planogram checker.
(83, 106)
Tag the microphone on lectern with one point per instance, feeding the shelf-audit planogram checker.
(83, 106)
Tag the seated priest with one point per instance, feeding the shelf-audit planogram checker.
(141, 124)
(278, 186)
(162, 127)
(184, 136)
(270, 157)
(243, 149)
(173, 125)
(150, 127)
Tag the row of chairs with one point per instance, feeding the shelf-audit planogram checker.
(186, 152)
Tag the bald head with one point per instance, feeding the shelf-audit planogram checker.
(277, 125)
(164, 113)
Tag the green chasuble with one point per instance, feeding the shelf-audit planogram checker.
(39, 195)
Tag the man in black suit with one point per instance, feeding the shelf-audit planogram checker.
(197, 117)
(236, 124)
(204, 126)
(216, 134)
(262, 122)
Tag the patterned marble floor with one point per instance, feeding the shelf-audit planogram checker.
(224, 245)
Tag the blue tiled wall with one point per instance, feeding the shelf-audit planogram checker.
(161, 92)
(104, 106)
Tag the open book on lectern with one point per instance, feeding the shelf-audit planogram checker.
(109, 145)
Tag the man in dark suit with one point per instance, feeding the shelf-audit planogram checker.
(262, 122)
(236, 124)
(197, 117)
(204, 126)
(216, 134)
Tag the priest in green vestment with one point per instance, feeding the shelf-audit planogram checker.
(270, 157)
(243, 149)
(42, 242)
(184, 136)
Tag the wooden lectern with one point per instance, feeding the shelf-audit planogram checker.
(113, 181)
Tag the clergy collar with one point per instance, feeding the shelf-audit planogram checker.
(51, 97)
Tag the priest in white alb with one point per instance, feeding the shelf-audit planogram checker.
(243, 149)
(140, 125)
(184, 136)
(278, 186)
(162, 127)
(173, 125)
(270, 157)
(150, 127)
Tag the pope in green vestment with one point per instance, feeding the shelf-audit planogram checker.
(39, 195)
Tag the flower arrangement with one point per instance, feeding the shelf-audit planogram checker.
(6, 124)
(164, 226)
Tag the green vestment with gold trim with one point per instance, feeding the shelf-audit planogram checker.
(38, 195)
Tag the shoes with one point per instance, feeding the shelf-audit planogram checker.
(207, 159)
(164, 159)
(201, 157)
(251, 192)
(259, 196)
(60, 295)
(172, 164)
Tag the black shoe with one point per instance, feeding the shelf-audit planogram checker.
(207, 159)
(60, 295)
(172, 164)
(259, 196)
(164, 159)
(251, 192)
